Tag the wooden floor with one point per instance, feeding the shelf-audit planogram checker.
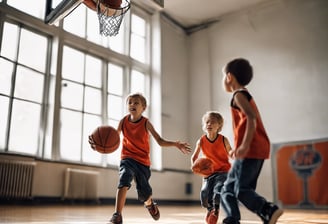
(134, 214)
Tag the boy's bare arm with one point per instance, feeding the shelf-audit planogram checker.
(182, 146)
(195, 154)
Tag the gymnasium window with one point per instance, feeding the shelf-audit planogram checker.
(58, 83)
(21, 105)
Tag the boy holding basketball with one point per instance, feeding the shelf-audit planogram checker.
(252, 147)
(135, 156)
(215, 147)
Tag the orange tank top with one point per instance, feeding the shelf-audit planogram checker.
(260, 145)
(217, 152)
(136, 140)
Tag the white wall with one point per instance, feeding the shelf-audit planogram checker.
(286, 41)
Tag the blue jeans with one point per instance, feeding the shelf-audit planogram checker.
(210, 194)
(240, 186)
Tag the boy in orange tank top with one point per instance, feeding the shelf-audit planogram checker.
(252, 147)
(215, 147)
(135, 156)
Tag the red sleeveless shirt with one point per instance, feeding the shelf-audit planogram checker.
(260, 145)
(136, 140)
(216, 151)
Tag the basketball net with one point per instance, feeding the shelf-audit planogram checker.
(110, 19)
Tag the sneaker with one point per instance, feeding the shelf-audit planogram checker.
(207, 216)
(153, 210)
(230, 220)
(213, 217)
(272, 213)
(116, 218)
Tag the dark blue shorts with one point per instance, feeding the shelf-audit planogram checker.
(133, 170)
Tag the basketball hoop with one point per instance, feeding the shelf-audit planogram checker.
(110, 14)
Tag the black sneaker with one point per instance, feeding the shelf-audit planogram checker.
(271, 213)
(230, 220)
(116, 218)
(153, 210)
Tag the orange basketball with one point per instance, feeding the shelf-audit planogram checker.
(92, 4)
(104, 139)
(114, 4)
(203, 167)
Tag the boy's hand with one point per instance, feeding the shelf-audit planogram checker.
(183, 147)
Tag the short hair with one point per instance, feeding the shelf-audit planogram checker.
(241, 69)
(139, 96)
(213, 114)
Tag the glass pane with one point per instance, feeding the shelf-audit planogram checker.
(138, 48)
(6, 76)
(92, 101)
(91, 122)
(9, 41)
(137, 82)
(93, 71)
(115, 79)
(72, 95)
(4, 104)
(24, 129)
(75, 22)
(115, 107)
(138, 25)
(93, 27)
(138, 38)
(70, 135)
(29, 54)
(116, 43)
(73, 64)
(34, 8)
(29, 84)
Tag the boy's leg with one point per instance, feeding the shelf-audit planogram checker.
(229, 194)
(126, 176)
(268, 212)
(120, 199)
(217, 181)
(250, 171)
(204, 198)
(142, 176)
(119, 204)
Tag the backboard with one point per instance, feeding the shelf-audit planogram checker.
(56, 10)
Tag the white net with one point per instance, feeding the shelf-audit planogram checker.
(110, 18)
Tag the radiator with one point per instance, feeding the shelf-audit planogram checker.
(16, 179)
(81, 184)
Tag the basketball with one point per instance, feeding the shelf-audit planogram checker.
(104, 139)
(113, 4)
(202, 167)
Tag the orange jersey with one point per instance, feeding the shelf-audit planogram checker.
(260, 145)
(217, 152)
(136, 140)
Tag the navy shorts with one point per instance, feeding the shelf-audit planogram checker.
(133, 170)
